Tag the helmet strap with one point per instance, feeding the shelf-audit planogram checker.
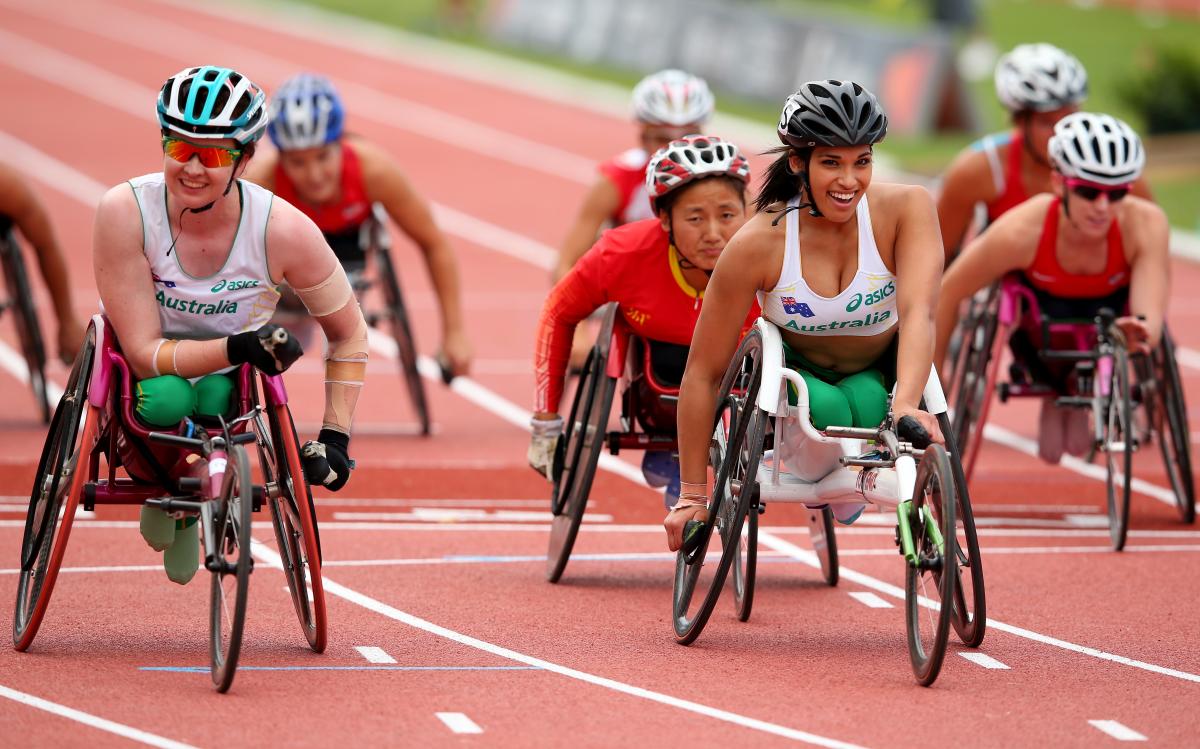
(207, 206)
(1066, 201)
(684, 263)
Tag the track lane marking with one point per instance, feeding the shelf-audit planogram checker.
(374, 654)
(870, 600)
(983, 659)
(459, 722)
(87, 719)
(270, 557)
(1116, 730)
(894, 591)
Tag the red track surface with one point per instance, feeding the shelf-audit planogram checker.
(1090, 635)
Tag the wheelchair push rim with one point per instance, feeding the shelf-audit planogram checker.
(406, 345)
(930, 582)
(62, 469)
(230, 567)
(1118, 441)
(1174, 433)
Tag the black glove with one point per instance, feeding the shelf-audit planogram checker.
(327, 461)
(911, 431)
(270, 349)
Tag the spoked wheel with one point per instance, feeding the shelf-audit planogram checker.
(930, 582)
(294, 518)
(976, 309)
(64, 466)
(29, 332)
(1119, 439)
(734, 455)
(970, 602)
(745, 564)
(582, 441)
(1173, 432)
(824, 542)
(230, 567)
(975, 379)
(401, 330)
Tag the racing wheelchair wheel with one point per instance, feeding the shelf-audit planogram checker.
(974, 379)
(582, 440)
(29, 332)
(1117, 437)
(230, 567)
(734, 455)
(401, 331)
(1173, 432)
(824, 542)
(970, 602)
(63, 468)
(930, 580)
(294, 519)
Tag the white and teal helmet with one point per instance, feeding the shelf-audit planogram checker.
(212, 102)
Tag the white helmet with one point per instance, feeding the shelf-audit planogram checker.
(672, 97)
(1039, 78)
(1098, 148)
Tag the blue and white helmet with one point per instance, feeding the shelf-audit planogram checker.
(212, 102)
(306, 112)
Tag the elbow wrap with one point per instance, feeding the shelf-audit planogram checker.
(345, 370)
(164, 357)
(329, 296)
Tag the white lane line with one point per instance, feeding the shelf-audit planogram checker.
(870, 600)
(417, 502)
(1187, 357)
(459, 722)
(70, 713)
(980, 659)
(374, 654)
(1118, 731)
(448, 515)
(270, 557)
(893, 591)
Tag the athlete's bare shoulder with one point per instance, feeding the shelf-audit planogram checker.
(969, 178)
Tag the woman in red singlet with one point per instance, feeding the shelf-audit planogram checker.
(1088, 245)
(335, 179)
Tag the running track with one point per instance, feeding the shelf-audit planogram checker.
(434, 553)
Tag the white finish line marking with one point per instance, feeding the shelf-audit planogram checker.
(870, 600)
(133, 734)
(374, 654)
(459, 723)
(1117, 730)
(986, 661)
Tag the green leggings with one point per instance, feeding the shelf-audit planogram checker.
(164, 401)
(834, 399)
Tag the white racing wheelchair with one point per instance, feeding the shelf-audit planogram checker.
(935, 529)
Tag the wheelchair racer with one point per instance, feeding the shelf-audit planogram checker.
(852, 288)
(335, 178)
(1089, 245)
(188, 262)
(1038, 84)
(21, 209)
(656, 270)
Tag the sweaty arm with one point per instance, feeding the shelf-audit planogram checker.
(967, 183)
(918, 276)
(1149, 286)
(602, 201)
(302, 258)
(386, 184)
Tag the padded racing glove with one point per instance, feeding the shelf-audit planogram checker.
(326, 460)
(543, 445)
(270, 349)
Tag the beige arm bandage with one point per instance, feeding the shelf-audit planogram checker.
(164, 357)
(345, 370)
(329, 296)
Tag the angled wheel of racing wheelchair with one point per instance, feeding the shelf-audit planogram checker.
(29, 331)
(932, 574)
(1116, 436)
(1170, 418)
(230, 564)
(984, 335)
(293, 514)
(970, 600)
(582, 440)
(67, 459)
(734, 455)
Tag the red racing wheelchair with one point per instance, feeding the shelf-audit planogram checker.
(95, 432)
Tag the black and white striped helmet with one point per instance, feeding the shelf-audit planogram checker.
(1039, 78)
(1098, 148)
(832, 113)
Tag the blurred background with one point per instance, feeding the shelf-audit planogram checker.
(930, 61)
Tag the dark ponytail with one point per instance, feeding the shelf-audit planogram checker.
(780, 184)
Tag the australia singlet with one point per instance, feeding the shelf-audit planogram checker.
(627, 172)
(238, 297)
(864, 308)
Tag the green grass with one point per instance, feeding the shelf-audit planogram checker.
(1109, 41)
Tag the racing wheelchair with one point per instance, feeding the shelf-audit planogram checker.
(647, 421)
(935, 529)
(20, 301)
(95, 431)
(1085, 364)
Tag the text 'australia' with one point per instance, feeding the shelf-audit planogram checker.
(194, 307)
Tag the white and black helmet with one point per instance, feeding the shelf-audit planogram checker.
(832, 113)
(1098, 148)
(672, 97)
(212, 102)
(1039, 78)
